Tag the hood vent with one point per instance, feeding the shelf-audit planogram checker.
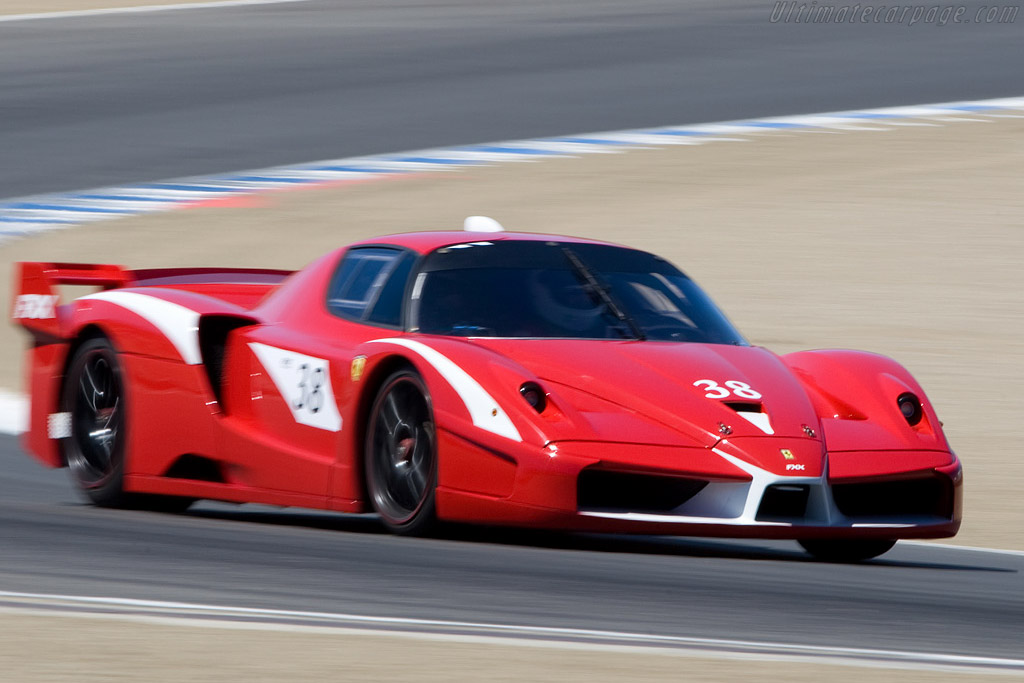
(752, 413)
(744, 406)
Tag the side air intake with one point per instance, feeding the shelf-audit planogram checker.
(213, 336)
(196, 468)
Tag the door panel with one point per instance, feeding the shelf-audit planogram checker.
(281, 414)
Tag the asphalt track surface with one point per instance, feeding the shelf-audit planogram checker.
(93, 101)
(914, 598)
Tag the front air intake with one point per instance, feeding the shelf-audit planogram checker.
(921, 497)
(783, 503)
(611, 491)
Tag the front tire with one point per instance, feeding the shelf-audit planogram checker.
(401, 455)
(830, 550)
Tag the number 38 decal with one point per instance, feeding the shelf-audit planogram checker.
(713, 389)
(311, 381)
(304, 383)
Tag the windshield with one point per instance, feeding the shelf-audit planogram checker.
(556, 290)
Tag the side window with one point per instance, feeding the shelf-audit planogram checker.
(364, 282)
(387, 310)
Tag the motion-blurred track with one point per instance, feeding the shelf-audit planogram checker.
(114, 99)
(915, 598)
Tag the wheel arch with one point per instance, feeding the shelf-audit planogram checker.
(372, 383)
(86, 333)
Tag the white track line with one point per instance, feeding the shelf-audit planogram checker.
(13, 413)
(504, 641)
(437, 628)
(141, 9)
(976, 549)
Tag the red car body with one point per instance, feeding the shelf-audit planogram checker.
(633, 436)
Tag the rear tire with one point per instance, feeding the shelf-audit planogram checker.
(94, 396)
(401, 455)
(830, 550)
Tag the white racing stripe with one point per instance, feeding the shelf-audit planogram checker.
(179, 324)
(759, 420)
(70, 14)
(483, 409)
(241, 617)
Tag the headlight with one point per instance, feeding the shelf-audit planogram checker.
(534, 395)
(910, 406)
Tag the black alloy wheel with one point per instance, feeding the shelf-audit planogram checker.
(94, 398)
(401, 454)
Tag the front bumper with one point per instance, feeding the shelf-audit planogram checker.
(732, 498)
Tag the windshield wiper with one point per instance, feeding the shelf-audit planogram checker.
(595, 288)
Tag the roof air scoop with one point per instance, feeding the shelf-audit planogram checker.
(482, 224)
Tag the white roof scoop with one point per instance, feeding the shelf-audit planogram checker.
(482, 224)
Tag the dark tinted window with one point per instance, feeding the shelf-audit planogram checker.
(388, 308)
(563, 290)
(361, 277)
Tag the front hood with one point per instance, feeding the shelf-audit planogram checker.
(694, 392)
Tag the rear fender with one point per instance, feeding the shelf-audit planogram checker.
(160, 322)
(36, 307)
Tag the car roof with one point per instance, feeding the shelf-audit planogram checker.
(426, 242)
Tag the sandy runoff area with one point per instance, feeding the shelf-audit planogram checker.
(42, 648)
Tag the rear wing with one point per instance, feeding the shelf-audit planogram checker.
(37, 297)
(37, 293)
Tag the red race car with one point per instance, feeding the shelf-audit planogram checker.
(476, 376)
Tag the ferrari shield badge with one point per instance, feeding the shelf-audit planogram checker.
(787, 454)
(358, 363)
